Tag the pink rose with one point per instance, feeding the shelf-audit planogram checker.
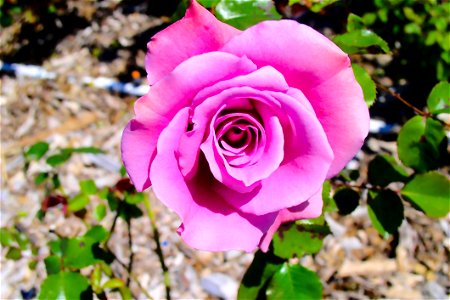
(240, 128)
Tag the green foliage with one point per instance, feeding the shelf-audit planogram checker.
(65, 285)
(245, 13)
(366, 83)
(359, 40)
(346, 200)
(294, 282)
(257, 276)
(383, 170)
(422, 144)
(430, 192)
(385, 211)
(439, 99)
(88, 187)
(299, 239)
(37, 151)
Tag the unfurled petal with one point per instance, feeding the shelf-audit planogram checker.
(209, 222)
(198, 32)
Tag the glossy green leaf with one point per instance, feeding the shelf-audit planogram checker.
(383, 170)
(65, 285)
(14, 253)
(294, 282)
(317, 6)
(430, 192)
(258, 274)
(439, 99)
(100, 212)
(358, 40)
(298, 240)
(79, 252)
(422, 144)
(37, 151)
(52, 264)
(78, 202)
(88, 187)
(346, 200)
(385, 210)
(208, 3)
(366, 83)
(245, 13)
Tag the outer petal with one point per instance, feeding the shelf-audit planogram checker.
(316, 66)
(198, 32)
(138, 148)
(307, 210)
(345, 118)
(209, 222)
(177, 89)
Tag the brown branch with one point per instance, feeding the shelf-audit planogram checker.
(398, 97)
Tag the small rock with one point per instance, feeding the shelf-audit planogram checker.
(220, 285)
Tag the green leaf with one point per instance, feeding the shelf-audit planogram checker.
(346, 200)
(125, 293)
(78, 202)
(40, 177)
(366, 83)
(383, 170)
(14, 253)
(317, 6)
(385, 210)
(245, 13)
(88, 187)
(294, 282)
(135, 198)
(36, 151)
(80, 252)
(92, 150)
(430, 192)
(113, 283)
(354, 22)
(357, 41)
(328, 203)
(257, 276)
(65, 285)
(298, 240)
(208, 3)
(52, 264)
(439, 99)
(57, 159)
(6, 237)
(422, 144)
(98, 233)
(100, 212)
(129, 211)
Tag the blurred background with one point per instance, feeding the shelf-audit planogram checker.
(75, 100)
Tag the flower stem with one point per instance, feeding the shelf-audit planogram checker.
(158, 250)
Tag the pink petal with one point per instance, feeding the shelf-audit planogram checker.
(209, 222)
(307, 157)
(198, 32)
(312, 208)
(340, 107)
(313, 64)
(138, 149)
(177, 89)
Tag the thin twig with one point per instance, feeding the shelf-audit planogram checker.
(398, 97)
(159, 252)
(130, 244)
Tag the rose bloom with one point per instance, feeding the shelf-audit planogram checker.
(240, 129)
